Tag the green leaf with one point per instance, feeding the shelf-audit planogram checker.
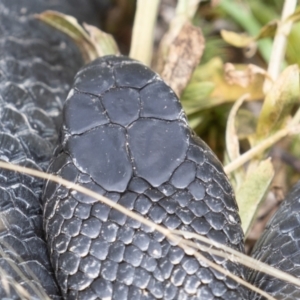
(197, 92)
(195, 122)
(295, 17)
(71, 27)
(239, 40)
(243, 16)
(293, 46)
(252, 191)
(92, 43)
(245, 123)
(201, 105)
(242, 40)
(278, 103)
(268, 30)
(104, 43)
(208, 86)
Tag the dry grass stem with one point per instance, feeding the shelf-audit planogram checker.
(187, 245)
(7, 281)
(279, 44)
(232, 140)
(259, 148)
(237, 256)
(143, 30)
(296, 118)
(232, 276)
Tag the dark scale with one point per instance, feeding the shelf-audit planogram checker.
(124, 127)
(279, 247)
(37, 66)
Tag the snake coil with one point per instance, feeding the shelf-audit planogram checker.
(124, 136)
(279, 246)
(35, 77)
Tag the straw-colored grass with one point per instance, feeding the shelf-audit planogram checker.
(180, 238)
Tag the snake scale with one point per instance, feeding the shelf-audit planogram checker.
(123, 134)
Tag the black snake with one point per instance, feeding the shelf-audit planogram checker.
(125, 136)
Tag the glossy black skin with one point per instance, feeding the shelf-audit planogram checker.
(279, 246)
(37, 65)
(126, 136)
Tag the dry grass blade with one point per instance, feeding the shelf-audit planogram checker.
(8, 281)
(143, 30)
(91, 41)
(242, 40)
(262, 146)
(279, 103)
(236, 256)
(185, 53)
(71, 27)
(189, 248)
(232, 140)
(5, 281)
(296, 118)
(172, 235)
(185, 11)
(185, 246)
(104, 43)
(209, 88)
(280, 40)
(236, 39)
(243, 77)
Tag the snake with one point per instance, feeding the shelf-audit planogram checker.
(121, 132)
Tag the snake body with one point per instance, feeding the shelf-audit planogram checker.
(279, 246)
(125, 136)
(35, 76)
